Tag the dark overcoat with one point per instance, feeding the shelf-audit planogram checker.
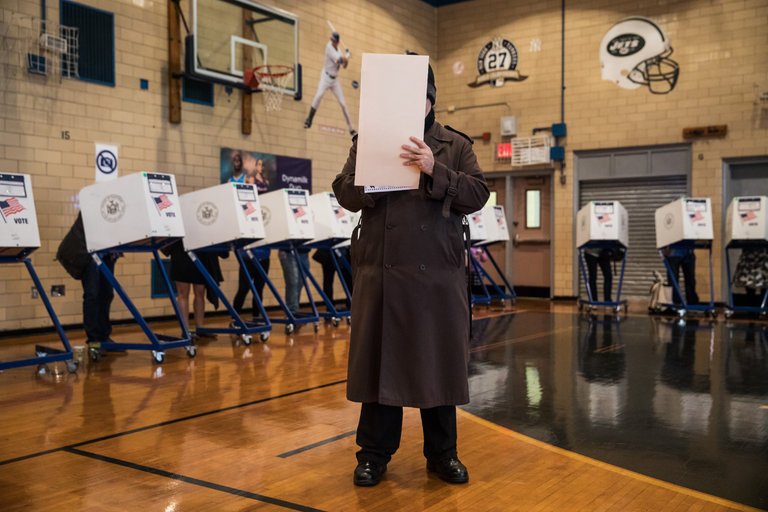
(410, 306)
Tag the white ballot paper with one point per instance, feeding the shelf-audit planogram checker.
(393, 91)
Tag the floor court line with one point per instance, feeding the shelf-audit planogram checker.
(171, 422)
(308, 447)
(194, 481)
(604, 465)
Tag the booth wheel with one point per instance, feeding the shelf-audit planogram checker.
(191, 351)
(71, 366)
(247, 339)
(289, 328)
(728, 313)
(316, 327)
(681, 313)
(159, 357)
(349, 320)
(95, 354)
(335, 321)
(264, 336)
(712, 313)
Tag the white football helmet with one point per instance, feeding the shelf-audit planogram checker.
(635, 52)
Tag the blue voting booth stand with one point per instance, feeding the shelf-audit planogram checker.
(43, 354)
(158, 343)
(20, 237)
(244, 329)
(137, 213)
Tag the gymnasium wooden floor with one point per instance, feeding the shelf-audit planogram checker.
(267, 427)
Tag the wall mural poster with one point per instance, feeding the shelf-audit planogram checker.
(268, 172)
(496, 63)
(635, 52)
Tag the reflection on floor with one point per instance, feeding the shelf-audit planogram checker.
(685, 402)
(268, 427)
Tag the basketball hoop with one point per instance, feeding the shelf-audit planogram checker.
(272, 81)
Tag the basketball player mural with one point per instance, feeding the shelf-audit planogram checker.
(329, 79)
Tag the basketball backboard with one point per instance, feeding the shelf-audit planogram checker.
(230, 36)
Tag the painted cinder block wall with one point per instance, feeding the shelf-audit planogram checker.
(719, 46)
(34, 112)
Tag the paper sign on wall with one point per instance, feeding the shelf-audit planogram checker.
(391, 111)
(106, 162)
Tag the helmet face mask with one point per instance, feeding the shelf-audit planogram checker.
(635, 52)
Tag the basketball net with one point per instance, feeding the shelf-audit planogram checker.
(272, 81)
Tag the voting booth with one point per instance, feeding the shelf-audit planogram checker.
(140, 212)
(685, 219)
(488, 226)
(602, 231)
(683, 226)
(138, 209)
(19, 237)
(746, 232)
(602, 221)
(289, 223)
(332, 222)
(223, 214)
(333, 226)
(225, 218)
(287, 217)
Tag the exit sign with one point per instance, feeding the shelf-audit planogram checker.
(503, 151)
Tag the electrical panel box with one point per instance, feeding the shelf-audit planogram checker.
(18, 231)
(131, 209)
(287, 217)
(747, 219)
(332, 222)
(684, 219)
(602, 221)
(221, 214)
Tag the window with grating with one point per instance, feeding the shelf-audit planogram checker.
(95, 60)
(197, 91)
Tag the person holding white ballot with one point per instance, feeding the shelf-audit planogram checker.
(410, 337)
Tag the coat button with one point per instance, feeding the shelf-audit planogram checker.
(423, 227)
(390, 226)
(422, 267)
(388, 265)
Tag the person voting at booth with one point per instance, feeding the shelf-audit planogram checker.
(410, 334)
(601, 258)
(188, 278)
(685, 258)
(97, 291)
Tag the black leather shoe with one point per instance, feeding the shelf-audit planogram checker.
(450, 470)
(368, 474)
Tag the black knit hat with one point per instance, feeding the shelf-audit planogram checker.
(431, 89)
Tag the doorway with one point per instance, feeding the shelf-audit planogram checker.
(530, 233)
(743, 177)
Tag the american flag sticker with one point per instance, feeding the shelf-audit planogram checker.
(339, 213)
(747, 216)
(697, 216)
(299, 212)
(11, 206)
(162, 202)
(248, 208)
(602, 219)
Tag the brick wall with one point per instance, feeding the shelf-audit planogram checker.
(719, 46)
(34, 112)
